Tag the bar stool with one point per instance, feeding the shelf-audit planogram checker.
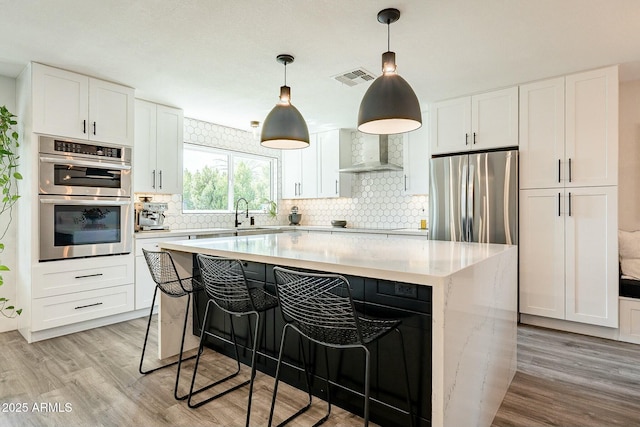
(226, 286)
(165, 275)
(320, 308)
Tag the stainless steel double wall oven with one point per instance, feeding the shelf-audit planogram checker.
(84, 199)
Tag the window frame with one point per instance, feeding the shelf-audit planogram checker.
(231, 155)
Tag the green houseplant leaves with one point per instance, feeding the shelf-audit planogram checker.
(9, 176)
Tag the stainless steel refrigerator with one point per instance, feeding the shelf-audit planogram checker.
(474, 197)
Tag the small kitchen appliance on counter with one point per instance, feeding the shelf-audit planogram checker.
(150, 215)
(294, 216)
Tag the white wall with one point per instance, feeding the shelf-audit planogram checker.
(629, 157)
(8, 257)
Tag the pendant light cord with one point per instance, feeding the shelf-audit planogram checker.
(285, 73)
(388, 35)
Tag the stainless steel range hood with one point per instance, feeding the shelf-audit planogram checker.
(376, 156)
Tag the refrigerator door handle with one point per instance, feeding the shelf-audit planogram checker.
(470, 203)
(463, 203)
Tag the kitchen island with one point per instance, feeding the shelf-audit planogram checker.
(472, 303)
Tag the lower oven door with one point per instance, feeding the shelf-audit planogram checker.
(84, 226)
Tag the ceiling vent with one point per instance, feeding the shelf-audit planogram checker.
(354, 77)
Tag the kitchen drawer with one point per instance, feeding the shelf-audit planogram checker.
(78, 275)
(63, 310)
(152, 244)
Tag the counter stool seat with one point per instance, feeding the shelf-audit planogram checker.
(165, 275)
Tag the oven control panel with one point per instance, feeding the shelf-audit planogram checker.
(89, 149)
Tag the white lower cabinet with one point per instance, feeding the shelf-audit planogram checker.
(70, 291)
(145, 286)
(569, 254)
(630, 320)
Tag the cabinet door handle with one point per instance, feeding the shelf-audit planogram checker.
(558, 204)
(153, 179)
(88, 305)
(559, 171)
(474, 137)
(569, 169)
(89, 275)
(466, 139)
(84, 126)
(569, 204)
(336, 186)
(94, 128)
(299, 189)
(160, 173)
(405, 182)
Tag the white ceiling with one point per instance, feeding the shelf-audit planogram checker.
(216, 58)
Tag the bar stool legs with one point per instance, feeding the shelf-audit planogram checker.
(255, 338)
(180, 359)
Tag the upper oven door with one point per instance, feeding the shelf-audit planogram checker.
(67, 175)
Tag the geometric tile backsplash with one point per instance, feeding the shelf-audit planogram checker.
(377, 199)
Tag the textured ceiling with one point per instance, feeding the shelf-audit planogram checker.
(216, 59)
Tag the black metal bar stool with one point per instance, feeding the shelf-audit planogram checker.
(320, 308)
(164, 273)
(226, 286)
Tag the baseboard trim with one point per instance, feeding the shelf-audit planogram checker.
(568, 326)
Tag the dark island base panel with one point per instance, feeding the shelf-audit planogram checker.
(376, 298)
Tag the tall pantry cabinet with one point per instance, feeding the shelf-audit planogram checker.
(568, 198)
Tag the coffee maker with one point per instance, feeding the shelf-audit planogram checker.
(150, 215)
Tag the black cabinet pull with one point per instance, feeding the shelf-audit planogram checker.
(94, 128)
(336, 186)
(405, 183)
(84, 126)
(88, 305)
(89, 275)
(559, 170)
(569, 169)
(160, 179)
(569, 204)
(558, 204)
(153, 179)
(474, 137)
(466, 139)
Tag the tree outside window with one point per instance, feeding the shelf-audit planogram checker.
(208, 186)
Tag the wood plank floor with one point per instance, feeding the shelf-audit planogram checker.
(91, 379)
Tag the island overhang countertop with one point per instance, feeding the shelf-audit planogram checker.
(419, 261)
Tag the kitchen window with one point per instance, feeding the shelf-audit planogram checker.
(213, 179)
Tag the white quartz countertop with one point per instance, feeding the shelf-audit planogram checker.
(319, 228)
(419, 261)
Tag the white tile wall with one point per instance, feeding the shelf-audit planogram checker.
(377, 197)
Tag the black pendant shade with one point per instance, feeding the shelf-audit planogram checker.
(284, 127)
(390, 105)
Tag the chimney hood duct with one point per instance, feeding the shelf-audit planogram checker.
(376, 156)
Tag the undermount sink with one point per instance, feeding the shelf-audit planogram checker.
(255, 230)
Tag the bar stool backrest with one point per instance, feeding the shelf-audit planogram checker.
(163, 272)
(319, 305)
(225, 283)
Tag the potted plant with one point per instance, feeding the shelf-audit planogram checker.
(9, 176)
(270, 207)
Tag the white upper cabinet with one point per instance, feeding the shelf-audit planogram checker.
(569, 131)
(300, 172)
(157, 152)
(334, 152)
(478, 122)
(73, 105)
(450, 125)
(542, 134)
(494, 119)
(416, 158)
(592, 128)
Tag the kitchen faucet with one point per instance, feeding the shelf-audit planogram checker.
(246, 212)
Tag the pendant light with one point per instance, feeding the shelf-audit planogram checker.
(284, 127)
(390, 105)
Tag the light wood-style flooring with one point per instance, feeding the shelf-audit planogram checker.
(91, 379)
